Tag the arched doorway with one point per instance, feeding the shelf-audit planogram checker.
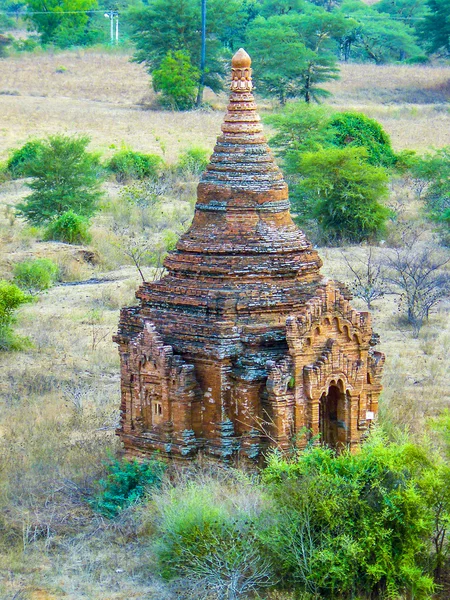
(331, 422)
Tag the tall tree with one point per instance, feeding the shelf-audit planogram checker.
(296, 52)
(62, 22)
(434, 30)
(175, 26)
(376, 36)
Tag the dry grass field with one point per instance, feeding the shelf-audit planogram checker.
(59, 398)
(107, 97)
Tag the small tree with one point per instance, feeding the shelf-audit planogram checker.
(368, 281)
(65, 177)
(177, 80)
(300, 128)
(343, 193)
(415, 274)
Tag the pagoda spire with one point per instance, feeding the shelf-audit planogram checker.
(242, 204)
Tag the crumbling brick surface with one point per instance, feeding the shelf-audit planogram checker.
(244, 344)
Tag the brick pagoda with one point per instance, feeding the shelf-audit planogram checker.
(244, 344)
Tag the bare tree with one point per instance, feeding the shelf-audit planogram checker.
(368, 281)
(416, 274)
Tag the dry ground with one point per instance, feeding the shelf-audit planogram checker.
(107, 97)
(59, 398)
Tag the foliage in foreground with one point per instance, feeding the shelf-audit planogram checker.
(36, 275)
(352, 525)
(11, 298)
(126, 483)
(65, 177)
(373, 524)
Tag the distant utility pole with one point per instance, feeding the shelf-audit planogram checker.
(111, 15)
(203, 56)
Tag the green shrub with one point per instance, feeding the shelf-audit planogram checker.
(434, 169)
(128, 164)
(194, 160)
(207, 534)
(65, 178)
(126, 483)
(177, 80)
(36, 275)
(11, 298)
(353, 525)
(21, 159)
(352, 129)
(300, 128)
(342, 192)
(70, 228)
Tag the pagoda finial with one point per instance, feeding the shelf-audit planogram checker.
(241, 73)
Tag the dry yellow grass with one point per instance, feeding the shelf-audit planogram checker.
(101, 95)
(104, 95)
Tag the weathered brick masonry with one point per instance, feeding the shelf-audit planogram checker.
(244, 344)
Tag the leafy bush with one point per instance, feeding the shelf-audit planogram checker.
(11, 298)
(207, 533)
(194, 160)
(21, 159)
(300, 128)
(353, 525)
(177, 80)
(342, 192)
(65, 178)
(128, 164)
(36, 275)
(70, 228)
(434, 170)
(356, 130)
(126, 483)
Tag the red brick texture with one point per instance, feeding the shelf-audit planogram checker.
(243, 344)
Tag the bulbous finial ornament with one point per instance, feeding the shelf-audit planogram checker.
(241, 73)
(241, 60)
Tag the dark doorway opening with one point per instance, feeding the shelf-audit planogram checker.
(330, 424)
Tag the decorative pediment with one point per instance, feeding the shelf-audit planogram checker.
(332, 363)
(327, 307)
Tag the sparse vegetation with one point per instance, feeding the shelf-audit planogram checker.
(59, 397)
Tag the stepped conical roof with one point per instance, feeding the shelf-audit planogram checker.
(242, 205)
